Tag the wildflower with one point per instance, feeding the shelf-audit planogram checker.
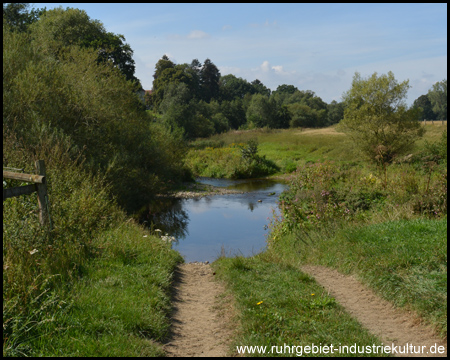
(34, 251)
(313, 294)
(259, 303)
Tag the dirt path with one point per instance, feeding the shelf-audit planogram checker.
(200, 329)
(377, 315)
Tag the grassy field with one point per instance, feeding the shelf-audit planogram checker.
(291, 148)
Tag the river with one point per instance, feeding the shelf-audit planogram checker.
(210, 226)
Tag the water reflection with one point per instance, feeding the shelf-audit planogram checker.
(168, 215)
(205, 225)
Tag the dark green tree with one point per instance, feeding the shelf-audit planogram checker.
(335, 112)
(260, 88)
(424, 103)
(232, 87)
(19, 15)
(210, 76)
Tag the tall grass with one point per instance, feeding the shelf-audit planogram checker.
(95, 284)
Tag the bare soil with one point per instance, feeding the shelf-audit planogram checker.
(202, 318)
(376, 314)
(201, 325)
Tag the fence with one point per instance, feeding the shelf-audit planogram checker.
(435, 122)
(39, 185)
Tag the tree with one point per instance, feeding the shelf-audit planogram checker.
(57, 29)
(423, 102)
(377, 119)
(17, 16)
(438, 98)
(335, 112)
(210, 76)
(260, 88)
(232, 87)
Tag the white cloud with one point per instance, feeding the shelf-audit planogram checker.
(197, 34)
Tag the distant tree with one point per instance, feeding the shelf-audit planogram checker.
(169, 75)
(234, 112)
(335, 112)
(424, 103)
(377, 119)
(259, 88)
(303, 115)
(264, 111)
(232, 87)
(162, 64)
(290, 89)
(438, 97)
(210, 76)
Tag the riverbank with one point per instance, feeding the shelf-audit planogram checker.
(199, 190)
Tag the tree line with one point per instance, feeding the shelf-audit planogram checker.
(66, 77)
(197, 99)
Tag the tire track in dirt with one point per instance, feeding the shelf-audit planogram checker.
(374, 313)
(198, 327)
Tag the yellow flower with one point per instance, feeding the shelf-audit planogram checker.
(259, 303)
(313, 294)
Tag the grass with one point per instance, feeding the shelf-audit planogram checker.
(404, 261)
(389, 229)
(95, 284)
(293, 148)
(278, 304)
(120, 307)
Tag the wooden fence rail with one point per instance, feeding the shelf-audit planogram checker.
(39, 185)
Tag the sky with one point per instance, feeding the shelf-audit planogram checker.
(316, 47)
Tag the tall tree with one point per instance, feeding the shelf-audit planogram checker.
(438, 97)
(232, 87)
(377, 119)
(260, 88)
(59, 28)
(210, 76)
(424, 103)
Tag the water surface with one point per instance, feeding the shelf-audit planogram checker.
(235, 223)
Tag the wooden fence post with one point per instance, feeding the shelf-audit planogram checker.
(42, 194)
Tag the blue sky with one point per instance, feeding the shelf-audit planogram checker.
(314, 47)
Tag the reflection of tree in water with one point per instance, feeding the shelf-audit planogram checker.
(167, 215)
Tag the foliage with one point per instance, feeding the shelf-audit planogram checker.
(102, 115)
(438, 98)
(376, 117)
(19, 17)
(423, 102)
(60, 28)
(236, 161)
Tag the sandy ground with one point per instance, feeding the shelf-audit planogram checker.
(200, 327)
(377, 315)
